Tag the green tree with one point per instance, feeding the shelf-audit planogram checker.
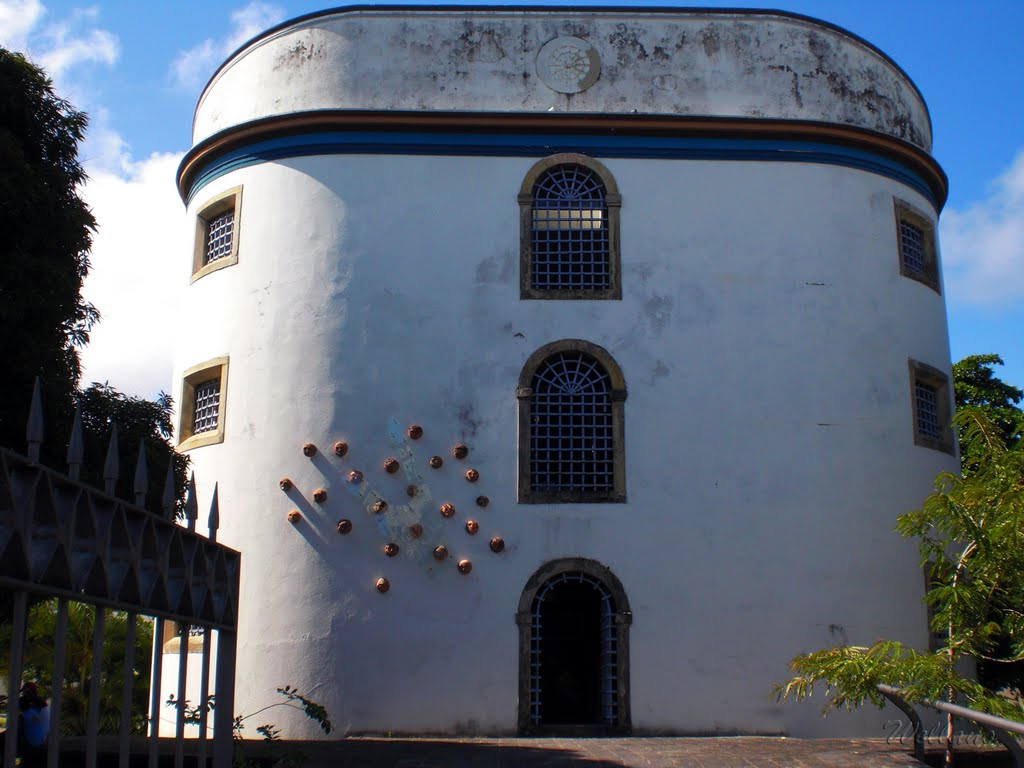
(970, 535)
(38, 662)
(47, 231)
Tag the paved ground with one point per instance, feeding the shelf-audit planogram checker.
(738, 752)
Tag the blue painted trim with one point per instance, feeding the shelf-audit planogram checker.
(542, 145)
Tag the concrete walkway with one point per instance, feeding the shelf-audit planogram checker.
(737, 752)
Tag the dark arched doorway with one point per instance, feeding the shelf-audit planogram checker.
(574, 650)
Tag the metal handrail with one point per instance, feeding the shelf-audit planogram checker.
(1000, 727)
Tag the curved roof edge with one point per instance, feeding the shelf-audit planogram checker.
(610, 9)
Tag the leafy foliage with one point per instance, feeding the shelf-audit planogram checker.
(285, 757)
(976, 385)
(38, 663)
(47, 232)
(970, 534)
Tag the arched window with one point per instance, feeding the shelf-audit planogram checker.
(571, 396)
(569, 214)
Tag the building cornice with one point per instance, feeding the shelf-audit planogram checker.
(536, 135)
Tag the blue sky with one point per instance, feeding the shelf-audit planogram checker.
(137, 69)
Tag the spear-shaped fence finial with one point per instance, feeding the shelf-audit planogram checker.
(214, 513)
(34, 428)
(170, 496)
(191, 503)
(76, 447)
(111, 467)
(141, 476)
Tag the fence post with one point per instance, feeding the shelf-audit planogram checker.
(14, 668)
(60, 637)
(223, 715)
(124, 736)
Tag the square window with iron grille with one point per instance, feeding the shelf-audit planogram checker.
(570, 248)
(217, 230)
(203, 398)
(915, 239)
(931, 407)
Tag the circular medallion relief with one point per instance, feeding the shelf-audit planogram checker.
(568, 64)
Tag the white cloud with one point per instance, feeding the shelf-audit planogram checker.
(137, 274)
(17, 20)
(983, 245)
(194, 65)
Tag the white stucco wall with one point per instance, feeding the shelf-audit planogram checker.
(764, 333)
(697, 62)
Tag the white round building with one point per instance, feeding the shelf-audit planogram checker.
(563, 368)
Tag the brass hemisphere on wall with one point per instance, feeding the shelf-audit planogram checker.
(285, 483)
(415, 431)
(447, 510)
(472, 526)
(355, 476)
(482, 501)
(320, 495)
(440, 553)
(294, 516)
(435, 462)
(309, 450)
(460, 451)
(379, 506)
(383, 585)
(497, 544)
(344, 526)
(465, 566)
(411, 490)
(391, 465)
(472, 475)
(340, 448)
(415, 530)
(391, 549)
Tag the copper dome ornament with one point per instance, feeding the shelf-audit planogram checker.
(447, 510)
(344, 526)
(460, 451)
(497, 544)
(383, 585)
(441, 553)
(355, 476)
(465, 566)
(415, 530)
(482, 501)
(391, 465)
(309, 450)
(472, 475)
(379, 506)
(285, 484)
(411, 490)
(391, 549)
(472, 526)
(320, 495)
(340, 448)
(435, 462)
(294, 516)
(415, 431)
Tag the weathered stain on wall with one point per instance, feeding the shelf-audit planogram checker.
(683, 63)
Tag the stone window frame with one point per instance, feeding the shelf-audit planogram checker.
(905, 212)
(937, 380)
(230, 199)
(618, 394)
(612, 201)
(197, 374)
(623, 618)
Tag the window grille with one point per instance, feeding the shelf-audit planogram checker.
(609, 648)
(570, 241)
(571, 441)
(219, 235)
(912, 247)
(928, 424)
(207, 399)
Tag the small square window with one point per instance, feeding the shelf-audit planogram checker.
(217, 230)
(203, 399)
(915, 237)
(929, 389)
